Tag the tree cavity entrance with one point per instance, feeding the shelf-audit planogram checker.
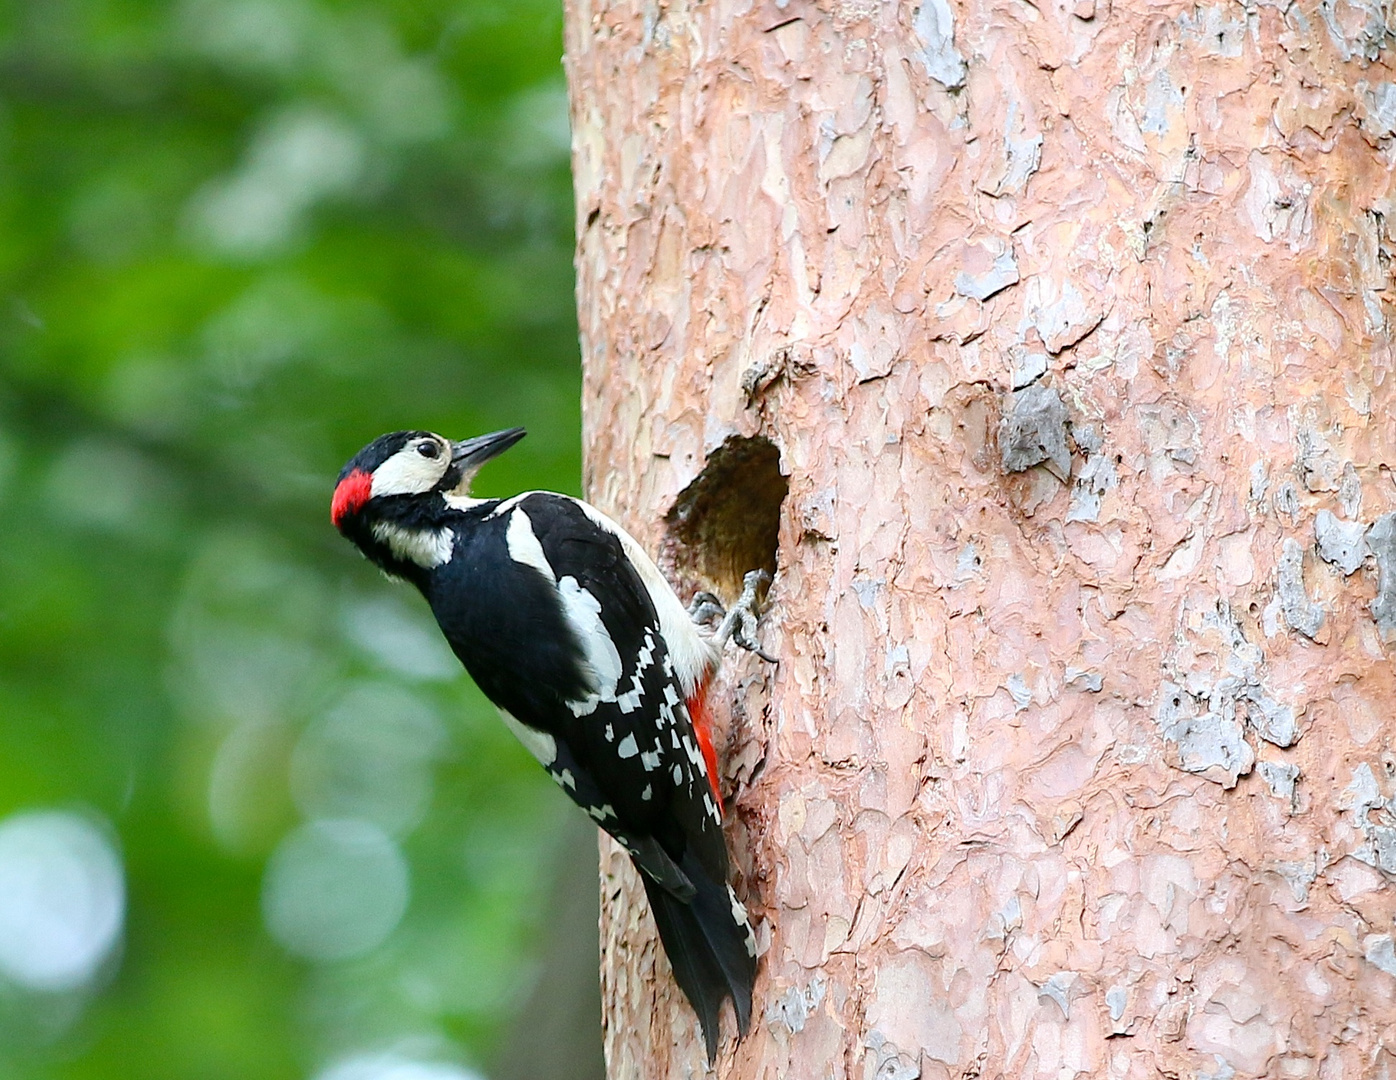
(727, 521)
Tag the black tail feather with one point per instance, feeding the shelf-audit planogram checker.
(707, 948)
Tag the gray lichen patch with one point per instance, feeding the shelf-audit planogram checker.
(1280, 777)
(1381, 539)
(1378, 107)
(1033, 431)
(1379, 950)
(988, 269)
(1171, 435)
(1361, 795)
(1374, 816)
(1380, 849)
(1300, 613)
(1211, 743)
(1060, 989)
(968, 564)
(1059, 311)
(1216, 688)
(1319, 467)
(1350, 492)
(886, 1062)
(792, 1009)
(1301, 873)
(1365, 32)
(1082, 679)
(1224, 1070)
(1096, 479)
(1342, 543)
(935, 26)
(1274, 722)
(1019, 691)
(1028, 368)
(1260, 484)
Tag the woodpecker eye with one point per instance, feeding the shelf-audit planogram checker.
(428, 449)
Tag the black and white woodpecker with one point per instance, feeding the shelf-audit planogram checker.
(594, 663)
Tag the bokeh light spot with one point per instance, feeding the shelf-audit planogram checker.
(334, 890)
(401, 639)
(62, 899)
(301, 155)
(369, 757)
(395, 1067)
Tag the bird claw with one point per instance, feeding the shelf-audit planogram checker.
(705, 608)
(739, 623)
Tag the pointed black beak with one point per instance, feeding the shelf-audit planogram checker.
(472, 453)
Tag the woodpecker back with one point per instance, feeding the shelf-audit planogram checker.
(570, 629)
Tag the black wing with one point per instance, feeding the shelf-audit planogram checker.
(539, 641)
(675, 834)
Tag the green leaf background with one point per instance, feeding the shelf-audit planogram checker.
(239, 239)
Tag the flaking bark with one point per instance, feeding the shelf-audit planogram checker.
(1060, 774)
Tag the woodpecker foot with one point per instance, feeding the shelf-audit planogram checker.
(739, 623)
(705, 609)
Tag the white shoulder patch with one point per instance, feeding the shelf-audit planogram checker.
(462, 502)
(583, 613)
(428, 548)
(508, 504)
(524, 546)
(693, 655)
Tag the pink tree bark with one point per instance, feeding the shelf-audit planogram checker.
(1069, 326)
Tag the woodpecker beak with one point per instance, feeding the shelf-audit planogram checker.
(472, 453)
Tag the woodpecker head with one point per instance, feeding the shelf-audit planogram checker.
(388, 479)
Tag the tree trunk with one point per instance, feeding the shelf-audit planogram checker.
(1070, 325)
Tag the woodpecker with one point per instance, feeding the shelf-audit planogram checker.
(594, 663)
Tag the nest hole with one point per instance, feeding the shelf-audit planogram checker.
(727, 521)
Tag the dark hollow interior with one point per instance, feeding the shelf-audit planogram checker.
(727, 521)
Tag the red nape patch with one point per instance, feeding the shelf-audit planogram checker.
(703, 728)
(353, 491)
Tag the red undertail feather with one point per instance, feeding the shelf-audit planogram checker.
(703, 728)
(351, 493)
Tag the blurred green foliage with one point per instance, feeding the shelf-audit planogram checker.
(238, 239)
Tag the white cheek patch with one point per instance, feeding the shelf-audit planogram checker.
(408, 473)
